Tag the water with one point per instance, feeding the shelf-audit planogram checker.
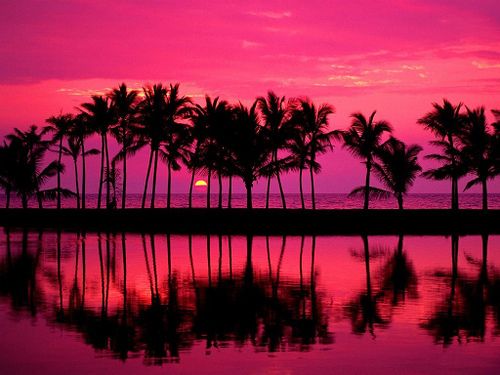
(323, 200)
(131, 303)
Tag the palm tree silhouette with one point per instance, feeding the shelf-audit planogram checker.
(446, 122)
(125, 105)
(100, 116)
(477, 150)
(8, 157)
(363, 140)
(80, 131)
(211, 127)
(249, 147)
(313, 138)
(60, 126)
(397, 167)
(73, 149)
(275, 113)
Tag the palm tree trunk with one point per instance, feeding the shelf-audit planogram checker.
(124, 183)
(230, 192)
(155, 174)
(7, 201)
(400, 201)
(208, 187)
(191, 189)
(311, 172)
(24, 200)
(169, 184)
(99, 195)
(485, 194)
(278, 177)
(77, 184)
(268, 190)
(301, 189)
(143, 205)
(59, 158)
(84, 174)
(248, 186)
(219, 177)
(108, 182)
(367, 184)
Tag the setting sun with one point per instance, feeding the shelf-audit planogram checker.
(200, 183)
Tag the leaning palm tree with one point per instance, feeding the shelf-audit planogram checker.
(478, 150)
(100, 116)
(315, 137)
(445, 121)
(249, 145)
(60, 126)
(275, 113)
(125, 105)
(397, 167)
(363, 139)
(73, 149)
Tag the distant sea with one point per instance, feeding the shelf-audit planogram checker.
(324, 201)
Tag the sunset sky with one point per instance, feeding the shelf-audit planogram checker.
(395, 56)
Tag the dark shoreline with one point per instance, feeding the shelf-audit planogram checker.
(258, 221)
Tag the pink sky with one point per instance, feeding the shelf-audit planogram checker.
(394, 56)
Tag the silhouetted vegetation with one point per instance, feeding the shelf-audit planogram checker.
(271, 137)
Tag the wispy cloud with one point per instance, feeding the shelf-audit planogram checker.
(271, 14)
(483, 65)
(250, 44)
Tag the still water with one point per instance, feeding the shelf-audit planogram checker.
(94, 303)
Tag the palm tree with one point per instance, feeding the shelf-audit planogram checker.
(477, 150)
(445, 121)
(80, 131)
(211, 127)
(73, 149)
(100, 116)
(125, 104)
(8, 157)
(363, 139)
(397, 167)
(30, 176)
(496, 141)
(275, 113)
(249, 145)
(60, 126)
(315, 137)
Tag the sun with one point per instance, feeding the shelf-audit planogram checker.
(200, 183)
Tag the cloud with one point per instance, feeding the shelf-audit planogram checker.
(250, 44)
(271, 14)
(483, 65)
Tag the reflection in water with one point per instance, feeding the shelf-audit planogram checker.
(159, 296)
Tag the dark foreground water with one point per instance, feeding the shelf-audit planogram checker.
(323, 200)
(73, 303)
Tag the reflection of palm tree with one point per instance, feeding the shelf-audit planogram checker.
(399, 278)
(363, 139)
(397, 167)
(445, 122)
(445, 323)
(364, 312)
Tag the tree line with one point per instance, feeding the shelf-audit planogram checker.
(216, 139)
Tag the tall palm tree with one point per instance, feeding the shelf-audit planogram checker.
(249, 145)
(496, 141)
(125, 105)
(363, 139)
(211, 127)
(314, 134)
(8, 157)
(80, 131)
(275, 113)
(397, 167)
(446, 122)
(100, 116)
(73, 149)
(60, 126)
(477, 150)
